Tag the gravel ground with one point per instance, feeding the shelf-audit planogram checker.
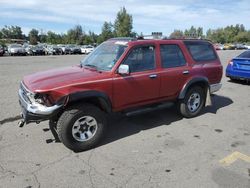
(158, 149)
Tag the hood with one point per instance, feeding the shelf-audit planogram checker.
(55, 78)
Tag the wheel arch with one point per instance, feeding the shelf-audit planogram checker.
(200, 81)
(97, 98)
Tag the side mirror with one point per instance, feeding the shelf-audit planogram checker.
(123, 70)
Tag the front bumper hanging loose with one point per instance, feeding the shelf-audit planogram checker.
(33, 111)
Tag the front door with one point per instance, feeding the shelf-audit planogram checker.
(142, 84)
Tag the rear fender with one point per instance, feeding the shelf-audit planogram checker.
(195, 81)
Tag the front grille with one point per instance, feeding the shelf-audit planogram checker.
(25, 92)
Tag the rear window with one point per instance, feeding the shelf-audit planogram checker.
(201, 50)
(245, 54)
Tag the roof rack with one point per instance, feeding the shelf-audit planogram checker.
(124, 38)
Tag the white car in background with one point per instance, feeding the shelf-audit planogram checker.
(247, 46)
(86, 49)
(16, 49)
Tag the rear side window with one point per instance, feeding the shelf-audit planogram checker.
(245, 54)
(201, 50)
(171, 56)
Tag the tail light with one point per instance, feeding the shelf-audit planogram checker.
(231, 62)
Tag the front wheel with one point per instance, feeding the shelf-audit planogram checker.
(193, 102)
(81, 127)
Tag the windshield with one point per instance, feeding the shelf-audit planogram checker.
(15, 46)
(105, 56)
(245, 54)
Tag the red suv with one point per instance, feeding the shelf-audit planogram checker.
(121, 75)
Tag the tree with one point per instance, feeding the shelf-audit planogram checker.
(177, 34)
(200, 32)
(33, 36)
(75, 35)
(90, 38)
(242, 37)
(194, 32)
(107, 32)
(54, 38)
(217, 35)
(123, 24)
(12, 32)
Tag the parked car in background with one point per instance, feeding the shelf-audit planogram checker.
(240, 46)
(229, 47)
(35, 50)
(74, 49)
(218, 46)
(65, 49)
(239, 67)
(86, 49)
(1, 50)
(247, 46)
(16, 49)
(53, 50)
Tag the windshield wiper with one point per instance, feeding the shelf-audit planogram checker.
(92, 66)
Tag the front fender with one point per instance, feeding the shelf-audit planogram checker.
(103, 98)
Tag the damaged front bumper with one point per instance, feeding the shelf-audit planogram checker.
(33, 111)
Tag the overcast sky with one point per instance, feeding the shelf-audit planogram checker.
(148, 15)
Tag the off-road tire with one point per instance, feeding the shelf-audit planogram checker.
(183, 107)
(70, 116)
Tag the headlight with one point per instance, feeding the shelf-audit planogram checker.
(36, 98)
(31, 97)
(39, 98)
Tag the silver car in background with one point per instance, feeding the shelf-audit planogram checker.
(16, 49)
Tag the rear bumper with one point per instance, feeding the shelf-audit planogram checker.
(237, 74)
(215, 87)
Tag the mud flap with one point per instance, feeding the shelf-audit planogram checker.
(208, 99)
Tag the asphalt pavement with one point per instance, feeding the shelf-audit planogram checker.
(157, 149)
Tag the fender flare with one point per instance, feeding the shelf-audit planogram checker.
(103, 99)
(185, 88)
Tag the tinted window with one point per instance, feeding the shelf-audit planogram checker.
(171, 56)
(141, 59)
(201, 50)
(245, 54)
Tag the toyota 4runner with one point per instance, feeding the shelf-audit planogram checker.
(121, 75)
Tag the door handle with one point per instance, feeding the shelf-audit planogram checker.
(185, 72)
(153, 76)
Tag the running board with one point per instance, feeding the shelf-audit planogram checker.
(149, 109)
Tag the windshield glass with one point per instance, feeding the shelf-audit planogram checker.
(16, 46)
(245, 54)
(105, 56)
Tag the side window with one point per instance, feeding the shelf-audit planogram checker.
(141, 59)
(201, 51)
(171, 56)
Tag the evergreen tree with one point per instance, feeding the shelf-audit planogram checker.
(123, 24)
(33, 36)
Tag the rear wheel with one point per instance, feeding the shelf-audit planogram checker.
(193, 102)
(232, 79)
(81, 127)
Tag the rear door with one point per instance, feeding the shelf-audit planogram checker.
(175, 70)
